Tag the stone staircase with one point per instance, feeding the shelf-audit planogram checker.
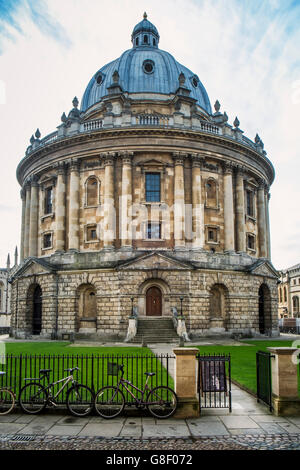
(155, 330)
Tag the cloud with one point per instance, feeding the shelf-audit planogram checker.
(13, 13)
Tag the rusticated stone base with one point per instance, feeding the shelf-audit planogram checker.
(187, 408)
(286, 406)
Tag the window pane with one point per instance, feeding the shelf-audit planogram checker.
(152, 187)
(48, 201)
(154, 231)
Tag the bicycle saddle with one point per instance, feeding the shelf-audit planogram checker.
(150, 373)
(44, 371)
(71, 369)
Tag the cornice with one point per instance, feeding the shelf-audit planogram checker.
(105, 134)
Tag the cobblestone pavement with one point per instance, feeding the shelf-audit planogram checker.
(246, 442)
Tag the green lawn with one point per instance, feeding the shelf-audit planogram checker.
(92, 361)
(243, 359)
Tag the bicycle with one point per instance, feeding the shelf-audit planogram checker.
(7, 399)
(34, 396)
(161, 401)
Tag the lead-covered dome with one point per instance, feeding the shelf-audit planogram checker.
(145, 69)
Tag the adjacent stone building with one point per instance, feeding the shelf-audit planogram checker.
(289, 292)
(144, 201)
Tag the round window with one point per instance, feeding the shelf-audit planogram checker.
(148, 66)
(195, 81)
(99, 79)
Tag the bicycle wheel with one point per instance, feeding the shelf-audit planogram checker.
(109, 402)
(33, 398)
(80, 400)
(7, 401)
(162, 402)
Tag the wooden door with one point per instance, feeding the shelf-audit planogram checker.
(153, 302)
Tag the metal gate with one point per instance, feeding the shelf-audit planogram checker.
(263, 376)
(214, 381)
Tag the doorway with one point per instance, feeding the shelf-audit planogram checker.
(153, 302)
(37, 311)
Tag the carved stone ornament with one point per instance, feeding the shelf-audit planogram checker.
(236, 123)
(217, 106)
(37, 134)
(116, 76)
(181, 79)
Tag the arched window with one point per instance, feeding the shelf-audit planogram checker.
(211, 193)
(137, 41)
(92, 191)
(284, 295)
(295, 304)
(145, 39)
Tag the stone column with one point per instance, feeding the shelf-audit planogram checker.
(267, 198)
(60, 209)
(285, 395)
(74, 206)
(27, 219)
(240, 212)
(179, 206)
(197, 205)
(261, 219)
(186, 382)
(23, 197)
(109, 220)
(228, 210)
(126, 201)
(33, 220)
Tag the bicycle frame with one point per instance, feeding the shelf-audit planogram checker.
(137, 400)
(66, 380)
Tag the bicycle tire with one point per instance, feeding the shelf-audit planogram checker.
(34, 401)
(104, 405)
(7, 401)
(80, 400)
(163, 402)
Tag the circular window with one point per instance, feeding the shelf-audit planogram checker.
(195, 81)
(148, 66)
(99, 79)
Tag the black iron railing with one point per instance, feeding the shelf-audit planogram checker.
(214, 381)
(93, 370)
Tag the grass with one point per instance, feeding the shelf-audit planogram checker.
(92, 361)
(243, 359)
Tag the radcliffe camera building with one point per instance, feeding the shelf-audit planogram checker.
(144, 204)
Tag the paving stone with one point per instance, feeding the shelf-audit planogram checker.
(239, 422)
(131, 431)
(36, 428)
(57, 430)
(208, 429)
(107, 429)
(25, 419)
(289, 427)
(73, 421)
(272, 428)
(165, 431)
(269, 419)
(11, 428)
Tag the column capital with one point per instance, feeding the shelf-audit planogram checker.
(109, 158)
(60, 168)
(227, 167)
(34, 180)
(197, 160)
(179, 157)
(74, 164)
(240, 169)
(126, 157)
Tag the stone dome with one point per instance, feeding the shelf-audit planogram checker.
(145, 69)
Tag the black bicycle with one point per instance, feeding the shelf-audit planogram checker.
(35, 396)
(161, 401)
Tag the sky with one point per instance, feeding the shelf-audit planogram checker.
(245, 52)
